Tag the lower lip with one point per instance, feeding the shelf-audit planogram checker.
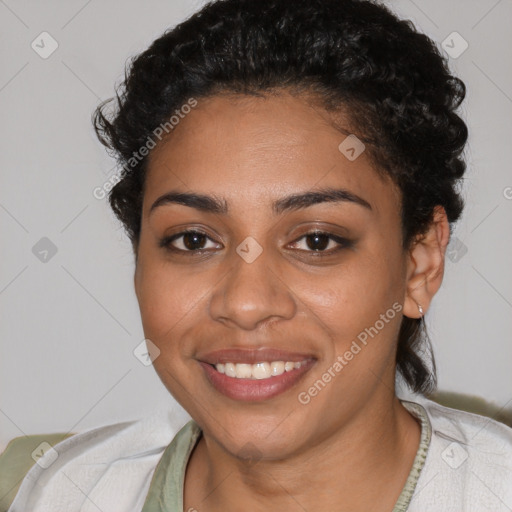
(254, 390)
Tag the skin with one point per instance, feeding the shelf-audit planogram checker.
(352, 446)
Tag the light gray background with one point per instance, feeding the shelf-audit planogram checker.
(69, 325)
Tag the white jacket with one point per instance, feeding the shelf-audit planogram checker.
(468, 465)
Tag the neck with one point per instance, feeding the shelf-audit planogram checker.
(364, 466)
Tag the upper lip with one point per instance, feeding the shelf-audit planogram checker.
(252, 356)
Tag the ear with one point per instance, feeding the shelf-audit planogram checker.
(425, 265)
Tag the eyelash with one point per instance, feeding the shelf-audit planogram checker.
(344, 243)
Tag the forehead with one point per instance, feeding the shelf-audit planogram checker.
(257, 149)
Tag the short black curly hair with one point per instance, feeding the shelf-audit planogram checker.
(355, 56)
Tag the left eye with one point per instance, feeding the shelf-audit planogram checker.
(319, 242)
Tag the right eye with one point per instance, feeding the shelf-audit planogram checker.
(190, 241)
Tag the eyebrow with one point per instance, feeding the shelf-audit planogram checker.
(294, 202)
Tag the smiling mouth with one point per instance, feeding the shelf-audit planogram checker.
(265, 380)
(258, 371)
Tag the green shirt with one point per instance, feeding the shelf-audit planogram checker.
(166, 490)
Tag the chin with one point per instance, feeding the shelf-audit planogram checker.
(255, 437)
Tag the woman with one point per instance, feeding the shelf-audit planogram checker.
(290, 176)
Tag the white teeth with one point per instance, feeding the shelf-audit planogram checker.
(276, 368)
(243, 371)
(229, 370)
(289, 366)
(261, 370)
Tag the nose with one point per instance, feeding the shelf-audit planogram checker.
(252, 294)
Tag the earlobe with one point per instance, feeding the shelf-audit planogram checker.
(425, 267)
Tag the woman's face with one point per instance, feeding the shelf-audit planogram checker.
(264, 288)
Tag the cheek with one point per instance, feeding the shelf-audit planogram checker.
(169, 301)
(167, 297)
(360, 301)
